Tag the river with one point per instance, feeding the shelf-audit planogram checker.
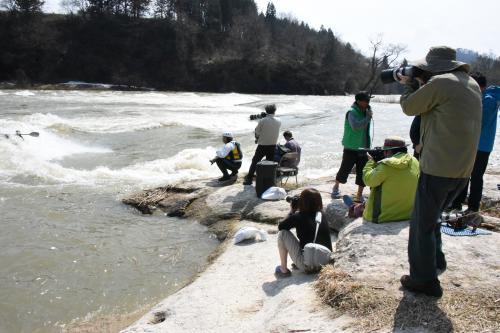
(70, 248)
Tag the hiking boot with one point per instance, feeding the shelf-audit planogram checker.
(431, 288)
(224, 178)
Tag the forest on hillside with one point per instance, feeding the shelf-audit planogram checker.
(195, 45)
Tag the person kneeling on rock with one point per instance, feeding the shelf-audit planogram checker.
(302, 215)
(393, 184)
(228, 157)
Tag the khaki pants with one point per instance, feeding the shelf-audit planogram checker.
(288, 241)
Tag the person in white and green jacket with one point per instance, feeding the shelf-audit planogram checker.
(356, 136)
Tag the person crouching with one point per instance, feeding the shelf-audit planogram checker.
(301, 217)
(228, 157)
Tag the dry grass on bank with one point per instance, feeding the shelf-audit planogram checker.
(375, 308)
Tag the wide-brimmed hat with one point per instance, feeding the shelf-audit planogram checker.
(440, 59)
(393, 142)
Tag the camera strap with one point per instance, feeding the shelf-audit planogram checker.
(318, 221)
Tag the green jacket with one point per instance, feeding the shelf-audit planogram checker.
(356, 129)
(450, 105)
(393, 183)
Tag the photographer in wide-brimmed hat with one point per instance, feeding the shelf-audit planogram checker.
(449, 102)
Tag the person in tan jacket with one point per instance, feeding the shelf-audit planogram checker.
(449, 102)
(266, 137)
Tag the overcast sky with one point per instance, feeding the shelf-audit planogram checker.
(417, 24)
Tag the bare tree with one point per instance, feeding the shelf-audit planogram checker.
(73, 6)
(382, 56)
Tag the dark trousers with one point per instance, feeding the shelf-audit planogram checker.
(260, 152)
(476, 184)
(425, 253)
(349, 159)
(225, 164)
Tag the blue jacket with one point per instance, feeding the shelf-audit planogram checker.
(491, 100)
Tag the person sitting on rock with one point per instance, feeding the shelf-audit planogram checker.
(393, 182)
(301, 217)
(291, 146)
(228, 157)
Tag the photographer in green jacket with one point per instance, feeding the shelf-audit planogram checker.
(449, 102)
(393, 182)
(356, 136)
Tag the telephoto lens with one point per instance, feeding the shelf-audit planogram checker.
(390, 75)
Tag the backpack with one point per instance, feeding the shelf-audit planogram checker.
(316, 255)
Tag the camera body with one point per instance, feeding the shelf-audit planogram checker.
(377, 153)
(258, 116)
(293, 200)
(390, 75)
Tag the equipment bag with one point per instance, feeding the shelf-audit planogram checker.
(316, 255)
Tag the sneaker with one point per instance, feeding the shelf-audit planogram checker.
(335, 193)
(279, 274)
(224, 178)
(431, 288)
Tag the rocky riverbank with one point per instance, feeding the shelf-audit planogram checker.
(360, 292)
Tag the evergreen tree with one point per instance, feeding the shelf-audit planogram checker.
(270, 12)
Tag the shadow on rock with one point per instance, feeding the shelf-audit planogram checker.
(273, 288)
(374, 229)
(420, 312)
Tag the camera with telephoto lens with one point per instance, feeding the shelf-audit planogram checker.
(377, 153)
(258, 116)
(390, 75)
(293, 200)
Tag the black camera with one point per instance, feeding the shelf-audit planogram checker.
(390, 75)
(258, 116)
(377, 153)
(293, 200)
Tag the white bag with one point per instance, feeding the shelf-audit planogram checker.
(274, 193)
(316, 255)
(249, 233)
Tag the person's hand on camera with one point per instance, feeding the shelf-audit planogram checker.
(369, 112)
(404, 79)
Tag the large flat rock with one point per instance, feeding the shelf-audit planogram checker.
(239, 293)
(377, 254)
(243, 200)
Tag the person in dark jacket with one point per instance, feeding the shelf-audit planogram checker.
(415, 136)
(486, 141)
(291, 146)
(301, 217)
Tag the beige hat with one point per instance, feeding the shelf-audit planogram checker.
(440, 59)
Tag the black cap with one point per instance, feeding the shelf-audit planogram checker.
(363, 96)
